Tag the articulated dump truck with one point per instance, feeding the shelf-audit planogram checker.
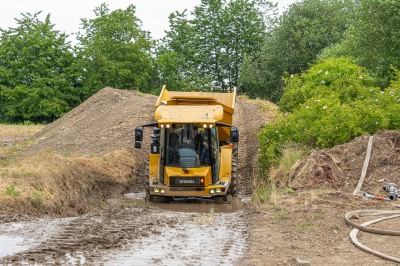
(194, 147)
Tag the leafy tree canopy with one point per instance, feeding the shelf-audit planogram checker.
(114, 51)
(374, 39)
(301, 33)
(208, 49)
(36, 81)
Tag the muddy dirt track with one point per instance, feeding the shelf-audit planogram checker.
(302, 225)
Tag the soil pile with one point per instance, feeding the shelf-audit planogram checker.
(81, 159)
(103, 123)
(341, 166)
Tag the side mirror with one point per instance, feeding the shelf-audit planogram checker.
(138, 137)
(138, 145)
(138, 134)
(234, 136)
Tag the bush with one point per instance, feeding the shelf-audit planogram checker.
(330, 104)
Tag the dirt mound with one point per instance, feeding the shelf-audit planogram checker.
(103, 123)
(340, 167)
(81, 159)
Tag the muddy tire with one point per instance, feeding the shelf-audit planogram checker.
(147, 185)
(219, 200)
(148, 196)
(161, 199)
(234, 171)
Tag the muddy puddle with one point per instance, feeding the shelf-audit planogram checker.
(202, 233)
(20, 236)
(133, 232)
(189, 205)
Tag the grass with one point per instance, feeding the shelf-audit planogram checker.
(269, 190)
(19, 131)
(13, 138)
(52, 183)
(291, 154)
(11, 191)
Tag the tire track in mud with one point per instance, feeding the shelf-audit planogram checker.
(197, 239)
(143, 236)
(88, 237)
(249, 119)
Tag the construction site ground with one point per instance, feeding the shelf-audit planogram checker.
(73, 193)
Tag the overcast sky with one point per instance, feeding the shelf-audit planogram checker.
(66, 14)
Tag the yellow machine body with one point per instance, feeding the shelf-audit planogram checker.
(175, 109)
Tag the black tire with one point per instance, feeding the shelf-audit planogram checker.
(147, 185)
(165, 199)
(234, 172)
(157, 199)
(161, 199)
(219, 199)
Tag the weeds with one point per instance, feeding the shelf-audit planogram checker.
(291, 154)
(270, 189)
(37, 201)
(11, 191)
(265, 193)
(306, 225)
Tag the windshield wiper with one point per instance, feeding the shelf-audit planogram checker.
(185, 170)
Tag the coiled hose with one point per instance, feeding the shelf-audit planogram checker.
(364, 227)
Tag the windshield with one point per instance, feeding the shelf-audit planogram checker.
(188, 145)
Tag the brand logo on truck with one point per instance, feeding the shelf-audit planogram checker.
(186, 181)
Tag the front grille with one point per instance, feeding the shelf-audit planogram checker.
(186, 189)
(185, 181)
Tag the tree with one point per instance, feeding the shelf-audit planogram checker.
(300, 34)
(177, 54)
(374, 39)
(36, 78)
(211, 46)
(114, 51)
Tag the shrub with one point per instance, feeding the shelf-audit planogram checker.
(330, 104)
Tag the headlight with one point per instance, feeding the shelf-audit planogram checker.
(156, 190)
(212, 191)
(218, 190)
(162, 191)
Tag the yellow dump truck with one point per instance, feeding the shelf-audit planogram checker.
(194, 147)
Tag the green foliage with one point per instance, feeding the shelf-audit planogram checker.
(301, 33)
(36, 78)
(114, 51)
(207, 50)
(37, 201)
(374, 39)
(11, 191)
(330, 104)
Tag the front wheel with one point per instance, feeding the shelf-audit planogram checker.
(233, 184)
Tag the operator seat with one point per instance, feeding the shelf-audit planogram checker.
(187, 157)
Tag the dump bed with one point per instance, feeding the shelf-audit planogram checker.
(196, 107)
